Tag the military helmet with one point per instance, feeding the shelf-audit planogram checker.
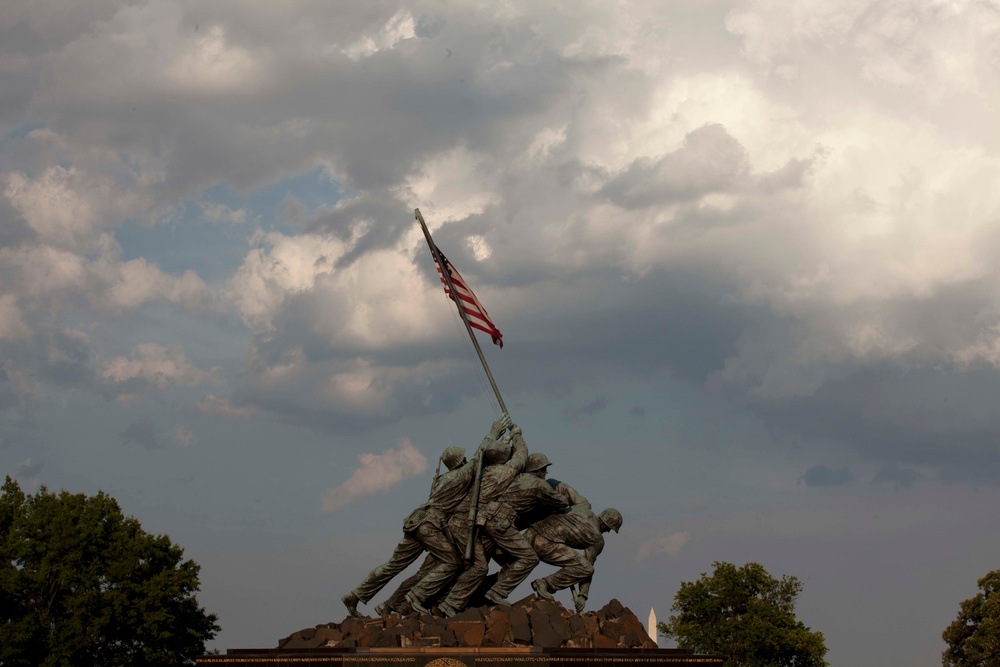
(496, 453)
(452, 457)
(611, 518)
(536, 462)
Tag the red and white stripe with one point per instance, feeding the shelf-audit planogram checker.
(477, 315)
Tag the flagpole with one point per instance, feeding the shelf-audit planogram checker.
(461, 311)
(474, 501)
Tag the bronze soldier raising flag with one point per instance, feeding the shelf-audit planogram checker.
(474, 515)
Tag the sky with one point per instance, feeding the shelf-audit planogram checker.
(744, 256)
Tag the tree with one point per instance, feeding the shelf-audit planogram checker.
(973, 638)
(745, 615)
(83, 584)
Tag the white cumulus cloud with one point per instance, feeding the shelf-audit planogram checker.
(376, 473)
(669, 544)
(159, 365)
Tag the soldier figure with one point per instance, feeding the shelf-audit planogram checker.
(502, 466)
(423, 529)
(557, 538)
(528, 499)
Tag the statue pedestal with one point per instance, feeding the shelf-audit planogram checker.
(436, 656)
(539, 633)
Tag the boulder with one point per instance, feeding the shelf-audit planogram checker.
(528, 622)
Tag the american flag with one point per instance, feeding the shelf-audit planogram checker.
(477, 315)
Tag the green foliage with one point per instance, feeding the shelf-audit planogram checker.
(745, 615)
(82, 584)
(974, 637)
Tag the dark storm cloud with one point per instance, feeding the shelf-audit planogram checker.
(11, 399)
(28, 468)
(49, 358)
(824, 476)
(609, 329)
(588, 409)
(900, 477)
(143, 432)
(68, 360)
(668, 320)
(390, 217)
(14, 229)
(944, 419)
(397, 396)
(15, 95)
(25, 37)
(709, 160)
(376, 117)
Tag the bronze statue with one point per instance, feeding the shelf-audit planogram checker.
(514, 494)
(572, 541)
(502, 466)
(529, 497)
(423, 529)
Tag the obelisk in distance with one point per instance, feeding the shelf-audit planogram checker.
(652, 624)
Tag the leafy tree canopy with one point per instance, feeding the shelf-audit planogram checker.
(973, 638)
(746, 615)
(83, 584)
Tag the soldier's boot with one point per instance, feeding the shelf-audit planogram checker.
(415, 604)
(351, 601)
(446, 610)
(495, 597)
(383, 609)
(542, 589)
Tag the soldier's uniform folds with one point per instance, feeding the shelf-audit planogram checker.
(494, 482)
(556, 540)
(424, 530)
(527, 494)
(572, 541)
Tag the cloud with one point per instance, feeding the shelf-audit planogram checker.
(929, 50)
(215, 212)
(824, 476)
(70, 268)
(932, 419)
(12, 324)
(899, 476)
(219, 405)
(184, 435)
(669, 544)
(210, 62)
(156, 365)
(589, 409)
(709, 160)
(135, 282)
(376, 473)
(376, 301)
(746, 217)
(28, 468)
(143, 432)
(399, 26)
(67, 207)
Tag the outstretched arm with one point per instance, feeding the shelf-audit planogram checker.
(571, 495)
(591, 553)
(519, 458)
